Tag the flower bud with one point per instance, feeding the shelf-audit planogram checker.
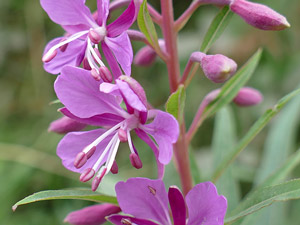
(65, 125)
(91, 215)
(218, 68)
(259, 16)
(247, 97)
(145, 56)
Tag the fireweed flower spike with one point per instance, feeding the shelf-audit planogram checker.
(147, 201)
(85, 34)
(92, 153)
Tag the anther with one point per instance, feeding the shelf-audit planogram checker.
(80, 160)
(86, 64)
(96, 50)
(49, 56)
(135, 161)
(126, 221)
(105, 74)
(114, 169)
(94, 37)
(152, 190)
(95, 74)
(63, 47)
(122, 135)
(91, 152)
(87, 174)
(97, 180)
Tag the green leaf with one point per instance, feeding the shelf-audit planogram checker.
(146, 25)
(176, 102)
(81, 194)
(254, 130)
(224, 138)
(216, 28)
(283, 192)
(232, 87)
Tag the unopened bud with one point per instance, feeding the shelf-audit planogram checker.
(92, 215)
(218, 68)
(259, 16)
(87, 174)
(145, 56)
(65, 125)
(49, 56)
(105, 74)
(80, 160)
(135, 161)
(247, 97)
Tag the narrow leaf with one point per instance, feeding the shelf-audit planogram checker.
(176, 102)
(283, 192)
(216, 28)
(81, 194)
(254, 130)
(146, 25)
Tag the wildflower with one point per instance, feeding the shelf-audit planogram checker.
(91, 152)
(85, 34)
(91, 215)
(147, 201)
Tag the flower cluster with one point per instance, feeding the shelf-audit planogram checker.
(107, 97)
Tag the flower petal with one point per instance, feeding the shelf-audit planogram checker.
(113, 64)
(177, 204)
(79, 92)
(160, 167)
(105, 119)
(205, 206)
(165, 130)
(103, 11)
(72, 56)
(92, 215)
(122, 49)
(144, 198)
(119, 220)
(75, 142)
(124, 22)
(69, 12)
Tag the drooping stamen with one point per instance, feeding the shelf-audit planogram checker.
(98, 178)
(105, 74)
(91, 152)
(94, 36)
(64, 47)
(112, 155)
(130, 142)
(80, 160)
(114, 169)
(126, 221)
(49, 56)
(95, 74)
(122, 135)
(135, 161)
(87, 174)
(94, 54)
(86, 64)
(96, 50)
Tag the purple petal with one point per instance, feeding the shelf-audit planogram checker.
(177, 204)
(69, 12)
(105, 119)
(113, 64)
(120, 220)
(124, 22)
(122, 49)
(205, 206)
(91, 215)
(79, 92)
(73, 55)
(165, 130)
(103, 11)
(75, 142)
(144, 198)
(160, 167)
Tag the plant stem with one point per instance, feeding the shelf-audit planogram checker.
(181, 153)
(170, 37)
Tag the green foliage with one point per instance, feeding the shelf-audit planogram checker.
(176, 102)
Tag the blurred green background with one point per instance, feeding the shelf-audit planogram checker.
(27, 151)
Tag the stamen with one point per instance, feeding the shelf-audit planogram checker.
(86, 64)
(91, 152)
(130, 142)
(126, 221)
(95, 56)
(152, 190)
(96, 50)
(112, 155)
(98, 179)
(87, 174)
(114, 169)
(105, 74)
(95, 74)
(94, 36)
(135, 161)
(122, 135)
(49, 56)
(80, 160)
(64, 47)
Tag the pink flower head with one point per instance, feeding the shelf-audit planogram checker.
(147, 201)
(92, 153)
(85, 34)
